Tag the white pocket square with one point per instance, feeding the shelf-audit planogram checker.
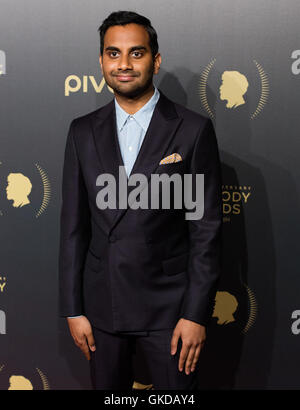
(175, 157)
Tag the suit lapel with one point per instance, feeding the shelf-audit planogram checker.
(161, 130)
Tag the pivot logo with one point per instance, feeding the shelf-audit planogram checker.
(2, 63)
(2, 323)
(296, 64)
(73, 84)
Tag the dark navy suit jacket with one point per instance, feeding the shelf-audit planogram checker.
(130, 269)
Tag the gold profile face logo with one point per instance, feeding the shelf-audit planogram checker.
(233, 87)
(19, 187)
(20, 382)
(226, 305)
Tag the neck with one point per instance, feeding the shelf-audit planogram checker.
(132, 105)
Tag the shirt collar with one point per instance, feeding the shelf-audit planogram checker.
(142, 116)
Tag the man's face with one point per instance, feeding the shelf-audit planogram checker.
(127, 64)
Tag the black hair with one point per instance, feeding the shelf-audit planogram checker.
(121, 18)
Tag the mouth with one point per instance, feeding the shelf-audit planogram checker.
(125, 77)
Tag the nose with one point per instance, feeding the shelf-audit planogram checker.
(125, 63)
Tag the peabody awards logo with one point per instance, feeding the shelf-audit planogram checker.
(74, 84)
(234, 88)
(2, 63)
(14, 379)
(2, 283)
(24, 189)
(233, 198)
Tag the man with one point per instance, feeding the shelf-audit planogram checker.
(138, 277)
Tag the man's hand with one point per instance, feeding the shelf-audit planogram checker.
(193, 336)
(82, 334)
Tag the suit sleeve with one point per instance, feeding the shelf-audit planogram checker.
(75, 232)
(205, 233)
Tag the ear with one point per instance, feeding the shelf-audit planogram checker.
(100, 61)
(157, 63)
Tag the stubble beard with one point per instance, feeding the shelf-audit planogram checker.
(137, 90)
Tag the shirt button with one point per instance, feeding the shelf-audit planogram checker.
(131, 118)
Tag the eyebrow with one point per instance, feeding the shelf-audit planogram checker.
(112, 48)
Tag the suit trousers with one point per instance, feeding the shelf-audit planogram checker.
(111, 364)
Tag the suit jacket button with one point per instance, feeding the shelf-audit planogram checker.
(112, 239)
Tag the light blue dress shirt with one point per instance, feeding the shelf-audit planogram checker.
(131, 129)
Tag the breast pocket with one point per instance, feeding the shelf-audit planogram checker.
(172, 168)
(176, 265)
